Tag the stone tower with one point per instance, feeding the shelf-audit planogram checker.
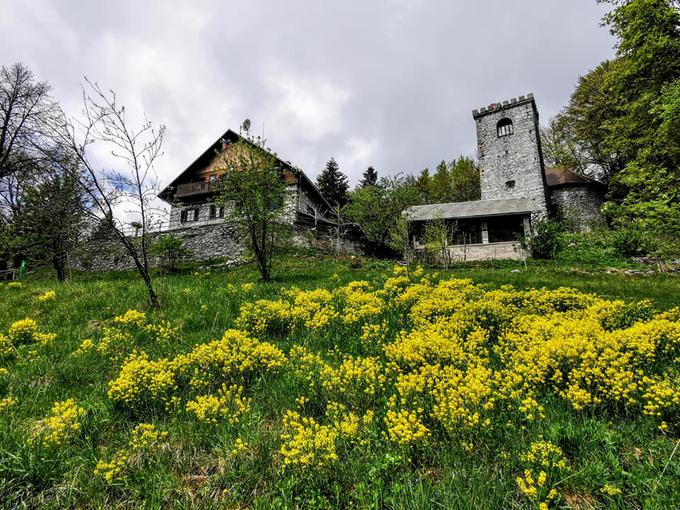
(510, 156)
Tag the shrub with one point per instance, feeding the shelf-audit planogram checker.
(169, 249)
(545, 241)
(631, 241)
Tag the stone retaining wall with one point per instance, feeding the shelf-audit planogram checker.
(211, 241)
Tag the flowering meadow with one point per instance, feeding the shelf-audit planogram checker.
(386, 387)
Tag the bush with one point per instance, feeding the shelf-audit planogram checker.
(169, 249)
(545, 241)
(631, 241)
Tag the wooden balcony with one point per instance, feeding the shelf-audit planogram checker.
(194, 188)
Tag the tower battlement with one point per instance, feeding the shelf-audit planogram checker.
(495, 107)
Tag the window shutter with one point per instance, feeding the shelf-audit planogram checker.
(195, 214)
(183, 216)
(212, 211)
(221, 212)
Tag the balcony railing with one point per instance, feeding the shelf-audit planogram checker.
(194, 188)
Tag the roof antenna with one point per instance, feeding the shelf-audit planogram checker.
(245, 126)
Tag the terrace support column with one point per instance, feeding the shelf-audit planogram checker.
(485, 232)
(526, 221)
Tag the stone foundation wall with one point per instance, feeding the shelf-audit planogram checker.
(471, 252)
(212, 241)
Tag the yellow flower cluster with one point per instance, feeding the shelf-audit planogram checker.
(62, 422)
(118, 336)
(610, 490)
(355, 379)
(144, 440)
(143, 381)
(26, 331)
(228, 406)
(468, 359)
(14, 285)
(237, 356)
(7, 402)
(6, 347)
(545, 463)
(405, 427)
(307, 443)
(313, 309)
(429, 358)
(131, 317)
(163, 331)
(48, 295)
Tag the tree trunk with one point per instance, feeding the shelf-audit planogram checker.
(153, 298)
(59, 264)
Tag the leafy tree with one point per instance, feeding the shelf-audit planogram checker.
(645, 134)
(369, 177)
(457, 181)
(252, 186)
(51, 220)
(578, 137)
(333, 184)
(378, 209)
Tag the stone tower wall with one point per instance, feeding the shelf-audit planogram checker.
(512, 165)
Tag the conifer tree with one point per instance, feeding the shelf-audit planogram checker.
(369, 177)
(333, 184)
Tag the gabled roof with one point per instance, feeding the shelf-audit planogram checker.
(562, 176)
(474, 209)
(231, 137)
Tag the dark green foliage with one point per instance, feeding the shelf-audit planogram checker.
(169, 249)
(631, 241)
(369, 177)
(50, 221)
(623, 119)
(333, 184)
(545, 241)
(457, 181)
(378, 209)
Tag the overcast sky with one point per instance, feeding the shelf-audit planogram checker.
(388, 83)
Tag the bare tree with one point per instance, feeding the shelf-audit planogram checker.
(27, 112)
(131, 188)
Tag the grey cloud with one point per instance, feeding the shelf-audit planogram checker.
(390, 83)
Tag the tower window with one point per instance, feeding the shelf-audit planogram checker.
(504, 127)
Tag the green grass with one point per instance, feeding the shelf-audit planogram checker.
(196, 472)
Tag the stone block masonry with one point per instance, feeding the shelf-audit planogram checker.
(205, 242)
(509, 150)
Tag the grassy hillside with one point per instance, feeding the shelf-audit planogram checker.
(338, 387)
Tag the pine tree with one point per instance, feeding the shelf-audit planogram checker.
(369, 177)
(333, 184)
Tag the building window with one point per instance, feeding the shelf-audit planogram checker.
(189, 215)
(510, 184)
(216, 212)
(504, 127)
